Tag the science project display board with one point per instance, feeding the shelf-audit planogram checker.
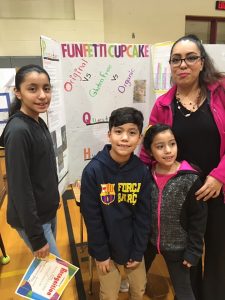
(92, 80)
(217, 52)
(56, 112)
(7, 83)
(161, 68)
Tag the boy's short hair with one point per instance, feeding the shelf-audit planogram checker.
(125, 115)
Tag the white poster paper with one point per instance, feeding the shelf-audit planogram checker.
(96, 79)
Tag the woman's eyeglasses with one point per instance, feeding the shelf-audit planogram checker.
(189, 60)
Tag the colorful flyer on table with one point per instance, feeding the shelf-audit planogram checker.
(46, 279)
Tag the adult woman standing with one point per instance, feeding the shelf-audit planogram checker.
(195, 108)
(33, 196)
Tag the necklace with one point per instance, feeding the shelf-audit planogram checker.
(181, 111)
(190, 106)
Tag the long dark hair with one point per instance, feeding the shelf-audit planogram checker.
(19, 79)
(151, 132)
(209, 73)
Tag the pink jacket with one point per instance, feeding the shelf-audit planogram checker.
(162, 113)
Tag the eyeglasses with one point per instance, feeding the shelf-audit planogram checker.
(189, 60)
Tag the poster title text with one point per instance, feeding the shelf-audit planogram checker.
(105, 50)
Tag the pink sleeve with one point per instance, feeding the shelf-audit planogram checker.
(144, 156)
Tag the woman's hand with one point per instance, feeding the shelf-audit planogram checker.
(187, 264)
(103, 266)
(210, 189)
(132, 264)
(43, 252)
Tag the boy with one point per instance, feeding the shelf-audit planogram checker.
(115, 203)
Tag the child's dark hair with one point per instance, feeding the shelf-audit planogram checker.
(19, 79)
(125, 115)
(151, 132)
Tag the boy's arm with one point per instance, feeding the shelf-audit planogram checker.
(141, 223)
(104, 266)
(90, 205)
(196, 222)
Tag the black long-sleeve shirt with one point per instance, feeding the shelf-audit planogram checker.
(33, 196)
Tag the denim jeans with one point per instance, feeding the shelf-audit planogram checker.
(50, 235)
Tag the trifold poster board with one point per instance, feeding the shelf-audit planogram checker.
(7, 83)
(161, 69)
(56, 113)
(92, 80)
(217, 52)
(46, 279)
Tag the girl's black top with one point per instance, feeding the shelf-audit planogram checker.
(33, 196)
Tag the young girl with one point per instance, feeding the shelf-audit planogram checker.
(178, 220)
(33, 196)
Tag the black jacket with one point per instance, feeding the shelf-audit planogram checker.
(115, 203)
(178, 220)
(33, 196)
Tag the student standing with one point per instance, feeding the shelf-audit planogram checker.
(33, 197)
(178, 220)
(115, 203)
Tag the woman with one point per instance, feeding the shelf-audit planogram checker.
(195, 109)
(33, 197)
